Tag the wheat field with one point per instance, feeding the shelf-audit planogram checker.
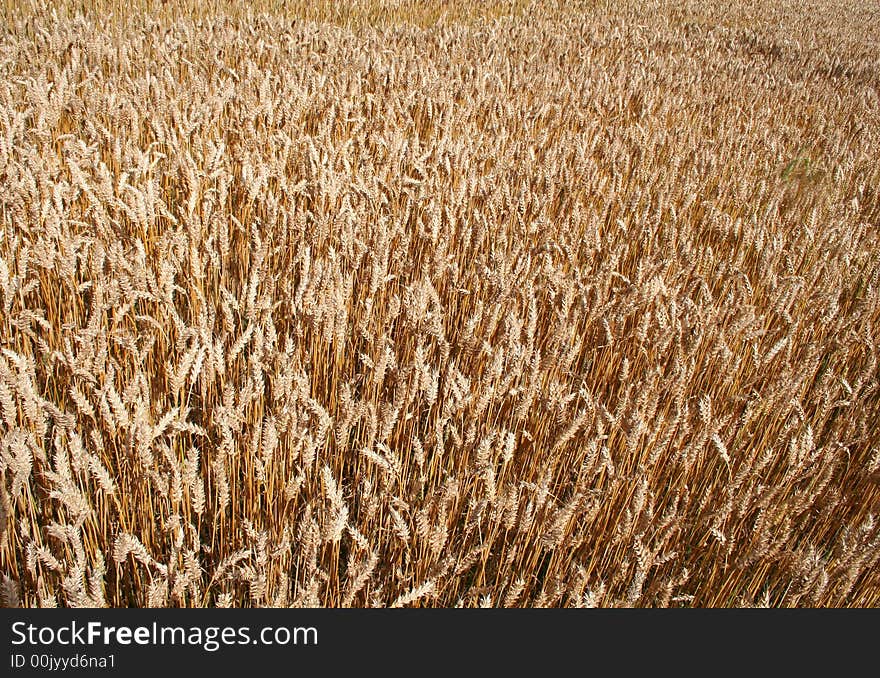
(434, 304)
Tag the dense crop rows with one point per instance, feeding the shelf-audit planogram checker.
(522, 306)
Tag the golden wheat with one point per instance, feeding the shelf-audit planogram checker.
(440, 304)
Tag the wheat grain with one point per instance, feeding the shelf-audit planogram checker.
(376, 310)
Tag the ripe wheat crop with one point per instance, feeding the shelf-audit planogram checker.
(440, 304)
